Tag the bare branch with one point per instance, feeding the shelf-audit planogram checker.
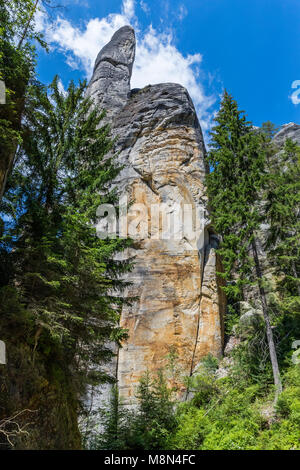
(11, 428)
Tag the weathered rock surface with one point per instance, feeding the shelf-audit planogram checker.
(110, 84)
(291, 131)
(160, 143)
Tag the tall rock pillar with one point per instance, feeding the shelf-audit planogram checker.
(179, 311)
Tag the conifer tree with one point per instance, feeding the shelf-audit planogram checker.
(238, 166)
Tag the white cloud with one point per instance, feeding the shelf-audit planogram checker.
(61, 87)
(159, 61)
(144, 7)
(81, 47)
(182, 13)
(128, 9)
(40, 21)
(295, 96)
(157, 58)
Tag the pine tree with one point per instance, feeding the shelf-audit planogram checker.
(65, 276)
(238, 167)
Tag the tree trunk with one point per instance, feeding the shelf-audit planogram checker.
(271, 344)
(6, 166)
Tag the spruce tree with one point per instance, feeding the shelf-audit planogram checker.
(237, 160)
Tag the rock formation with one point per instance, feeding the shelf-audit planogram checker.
(159, 141)
(290, 130)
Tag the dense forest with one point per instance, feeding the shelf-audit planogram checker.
(61, 285)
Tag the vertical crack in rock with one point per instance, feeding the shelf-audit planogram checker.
(203, 254)
(210, 331)
(160, 144)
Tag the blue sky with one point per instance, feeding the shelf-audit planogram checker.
(250, 47)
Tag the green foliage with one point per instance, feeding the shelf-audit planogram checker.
(61, 286)
(251, 360)
(238, 160)
(247, 186)
(284, 432)
(232, 317)
(191, 428)
(210, 363)
(269, 130)
(235, 414)
(240, 417)
(17, 68)
(39, 381)
(228, 420)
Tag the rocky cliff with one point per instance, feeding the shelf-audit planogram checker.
(159, 141)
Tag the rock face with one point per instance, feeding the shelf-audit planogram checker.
(291, 131)
(159, 140)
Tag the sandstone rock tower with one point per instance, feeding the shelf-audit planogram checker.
(159, 140)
